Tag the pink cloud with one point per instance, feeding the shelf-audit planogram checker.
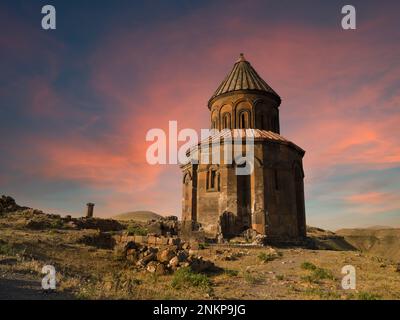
(374, 202)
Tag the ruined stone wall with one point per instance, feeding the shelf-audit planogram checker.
(280, 192)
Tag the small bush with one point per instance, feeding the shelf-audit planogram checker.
(186, 277)
(323, 293)
(321, 273)
(6, 249)
(265, 257)
(56, 224)
(249, 278)
(368, 296)
(317, 273)
(279, 277)
(203, 245)
(136, 231)
(231, 273)
(308, 266)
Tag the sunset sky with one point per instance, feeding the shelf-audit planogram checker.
(76, 102)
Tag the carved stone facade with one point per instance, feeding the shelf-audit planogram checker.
(270, 200)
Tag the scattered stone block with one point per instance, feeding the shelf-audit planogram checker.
(165, 255)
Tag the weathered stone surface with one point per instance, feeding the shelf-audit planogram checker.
(161, 269)
(200, 265)
(156, 267)
(174, 262)
(152, 266)
(260, 240)
(151, 256)
(182, 256)
(104, 225)
(165, 255)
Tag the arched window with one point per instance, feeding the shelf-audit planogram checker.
(244, 120)
(262, 122)
(212, 180)
(226, 122)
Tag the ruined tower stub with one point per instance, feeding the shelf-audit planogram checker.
(90, 209)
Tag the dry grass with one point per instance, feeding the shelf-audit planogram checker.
(87, 272)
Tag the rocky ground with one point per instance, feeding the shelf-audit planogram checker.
(90, 264)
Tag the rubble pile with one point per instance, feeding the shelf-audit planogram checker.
(163, 259)
(166, 226)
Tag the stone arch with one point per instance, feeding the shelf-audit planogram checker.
(187, 201)
(244, 112)
(266, 116)
(260, 115)
(213, 178)
(244, 119)
(187, 177)
(215, 118)
(226, 111)
(226, 122)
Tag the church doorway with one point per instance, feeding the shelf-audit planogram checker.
(227, 224)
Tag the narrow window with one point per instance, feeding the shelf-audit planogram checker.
(243, 121)
(212, 179)
(227, 121)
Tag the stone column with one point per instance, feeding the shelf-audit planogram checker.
(90, 208)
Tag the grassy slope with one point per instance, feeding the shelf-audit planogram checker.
(381, 242)
(141, 216)
(87, 272)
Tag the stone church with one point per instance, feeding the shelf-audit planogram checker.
(269, 200)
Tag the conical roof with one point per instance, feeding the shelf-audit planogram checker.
(243, 77)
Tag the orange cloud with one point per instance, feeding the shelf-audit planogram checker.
(374, 202)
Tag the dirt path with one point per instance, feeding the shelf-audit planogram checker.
(15, 286)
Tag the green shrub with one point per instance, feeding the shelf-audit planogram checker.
(203, 245)
(56, 224)
(321, 274)
(280, 277)
(231, 273)
(265, 257)
(136, 231)
(317, 273)
(186, 277)
(249, 278)
(368, 296)
(9, 249)
(6, 249)
(308, 266)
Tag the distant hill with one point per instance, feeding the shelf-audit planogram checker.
(381, 242)
(379, 227)
(141, 216)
